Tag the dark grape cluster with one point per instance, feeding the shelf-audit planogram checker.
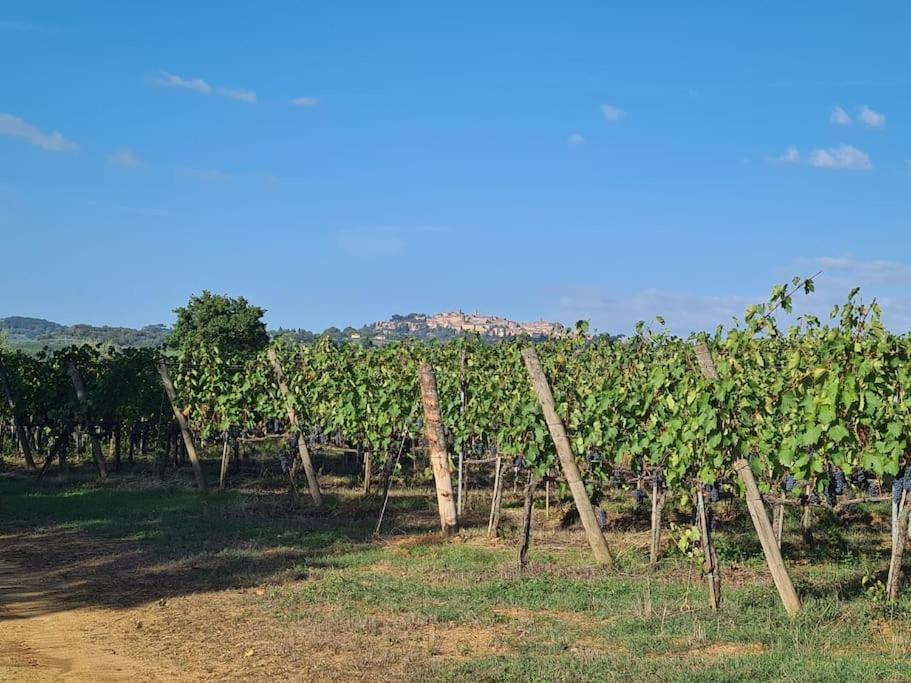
(873, 489)
(658, 477)
(714, 492)
(901, 484)
(595, 458)
(602, 518)
(813, 499)
(713, 523)
(617, 478)
(638, 496)
(789, 483)
(859, 479)
(839, 482)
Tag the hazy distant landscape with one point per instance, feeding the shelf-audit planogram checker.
(33, 334)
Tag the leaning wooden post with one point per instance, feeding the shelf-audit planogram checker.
(436, 446)
(494, 521)
(24, 444)
(182, 423)
(79, 387)
(893, 583)
(302, 449)
(567, 460)
(225, 456)
(710, 557)
(767, 538)
(758, 513)
(658, 497)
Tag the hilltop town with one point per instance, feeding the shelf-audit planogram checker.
(458, 322)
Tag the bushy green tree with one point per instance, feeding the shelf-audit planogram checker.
(233, 326)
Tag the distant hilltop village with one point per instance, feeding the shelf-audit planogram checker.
(457, 322)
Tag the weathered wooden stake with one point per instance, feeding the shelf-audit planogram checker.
(528, 510)
(710, 557)
(893, 583)
(658, 497)
(757, 508)
(778, 522)
(93, 435)
(225, 457)
(182, 423)
(436, 447)
(767, 539)
(368, 466)
(494, 520)
(21, 434)
(567, 460)
(303, 450)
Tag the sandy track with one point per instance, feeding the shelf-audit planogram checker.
(41, 640)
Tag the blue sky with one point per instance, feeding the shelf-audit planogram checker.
(339, 162)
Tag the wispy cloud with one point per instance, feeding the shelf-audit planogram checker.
(239, 95)
(840, 117)
(617, 311)
(169, 80)
(305, 101)
(576, 139)
(124, 158)
(210, 175)
(841, 157)
(790, 156)
(612, 113)
(872, 119)
(870, 271)
(52, 142)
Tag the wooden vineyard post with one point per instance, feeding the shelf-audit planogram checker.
(767, 539)
(225, 456)
(757, 509)
(182, 423)
(527, 511)
(893, 583)
(368, 466)
(710, 557)
(567, 460)
(309, 470)
(21, 434)
(658, 497)
(494, 520)
(79, 387)
(778, 522)
(436, 446)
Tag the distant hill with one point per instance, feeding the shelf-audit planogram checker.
(33, 334)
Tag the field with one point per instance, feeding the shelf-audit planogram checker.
(145, 578)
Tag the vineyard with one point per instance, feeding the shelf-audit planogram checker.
(810, 418)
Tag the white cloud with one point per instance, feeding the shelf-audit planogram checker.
(840, 117)
(872, 271)
(206, 174)
(240, 95)
(791, 156)
(841, 157)
(871, 118)
(305, 101)
(124, 158)
(612, 113)
(617, 311)
(169, 80)
(52, 142)
(576, 139)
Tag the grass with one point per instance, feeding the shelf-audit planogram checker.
(410, 606)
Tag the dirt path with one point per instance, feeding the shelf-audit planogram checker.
(41, 640)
